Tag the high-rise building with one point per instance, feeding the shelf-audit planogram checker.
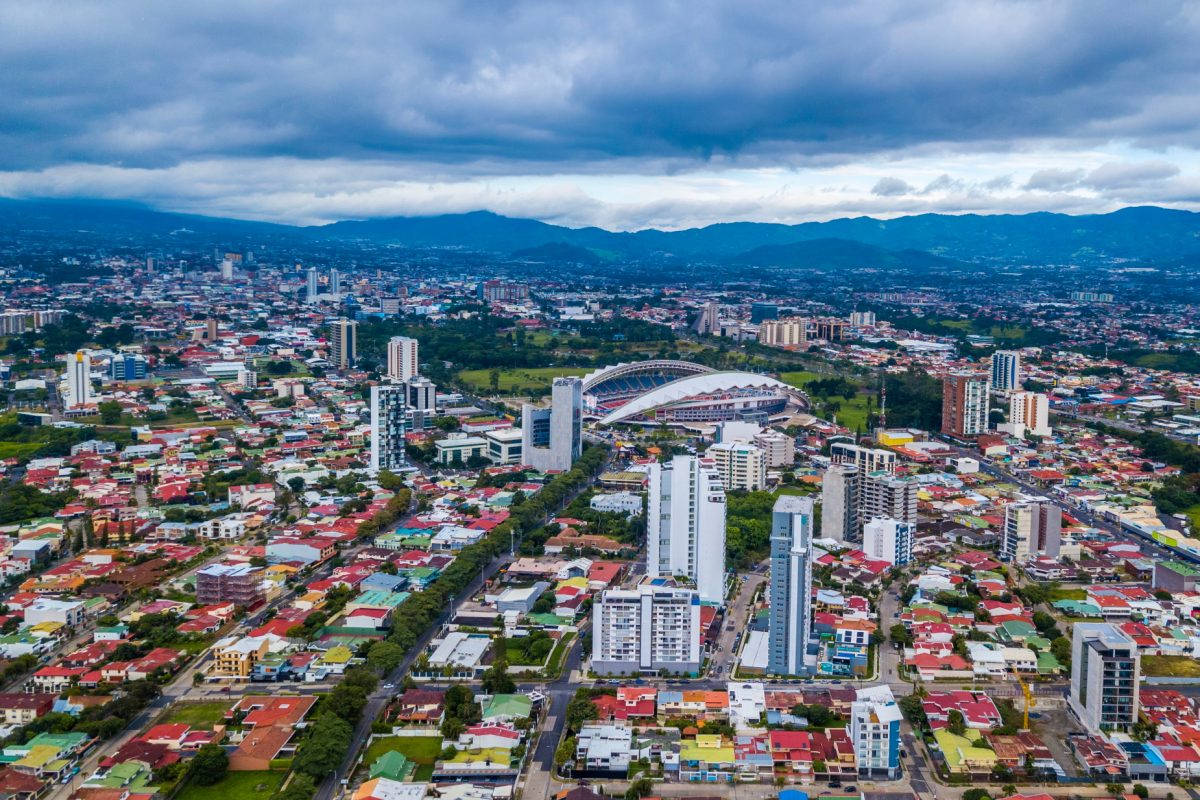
(335, 282)
(551, 439)
(226, 270)
(402, 360)
(311, 285)
(790, 622)
(343, 350)
(778, 447)
(685, 525)
(79, 379)
(388, 427)
(1028, 412)
(709, 320)
(1006, 370)
(247, 378)
(496, 291)
(867, 459)
(862, 319)
(1105, 670)
(127, 367)
(212, 329)
(889, 540)
(786, 332)
(422, 401)
(741, 466)
(1031, 530)
(964, 405)
(647, 629)
(875, 731)
(881, 494)
(839, 503)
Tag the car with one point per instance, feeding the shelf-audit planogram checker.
(852, 788)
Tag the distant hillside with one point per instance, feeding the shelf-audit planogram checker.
(557, 253)
(1143, 234)
(836, 254)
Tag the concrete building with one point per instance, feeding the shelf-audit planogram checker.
(503, 445)
(791, 586)
(708, 321)
(787, 332)
(1175, 576)
(311, 285)
(839, 503)
(79, 379)
(343, 349)
(965, 405)
(402, 358)
(335, 282)
(889, 540)
(1028, 412)
(1031, 530)
(66, 612)
(421, 394)
(741, 466)
(1006, 370)
(778, 448)
(685, 525)
(459, 448)
(553, 438)
(881, 494)
(127, 367)
(875, 731)
(229, 583)
(388, 428)
(647, 629)
(1105, 670)
(247, 378)
(867, 459)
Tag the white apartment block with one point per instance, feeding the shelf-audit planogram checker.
(875, 731)
(881, 494)
(647, 629)
(867, 459)
(402, 361)
(741, 466)
(778, 448)
(1031, 530)
(685, 525)
(889, 540)
(1028, 412)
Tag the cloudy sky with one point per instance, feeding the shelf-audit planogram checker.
(624, 114)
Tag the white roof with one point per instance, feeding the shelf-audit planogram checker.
(691, 386)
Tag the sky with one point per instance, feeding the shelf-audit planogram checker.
(621, 114)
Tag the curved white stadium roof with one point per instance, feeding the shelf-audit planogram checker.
(694, 385)
(595, 378)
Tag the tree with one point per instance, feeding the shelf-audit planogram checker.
(976, 794)
(640, 788)
(209, 765)
(957, 722)
(1141, 791)
(900, 635)
(110, 412)
(384, 656)
(497, 680)
(323, 749)
(300, 787)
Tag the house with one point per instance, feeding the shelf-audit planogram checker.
(19, 708)
(605, 749)
(422, 706)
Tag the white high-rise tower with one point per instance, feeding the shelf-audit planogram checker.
(685, 525)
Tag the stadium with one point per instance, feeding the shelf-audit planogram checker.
(673, 392)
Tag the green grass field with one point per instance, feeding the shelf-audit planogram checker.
(1067, 594)
(199, 715)
(19, 450)
(852, 413)
(237, 786)
(1170, 667)
(422, 750)
(517, 381)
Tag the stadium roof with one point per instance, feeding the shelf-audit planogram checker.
(691, 386)
(593, 379)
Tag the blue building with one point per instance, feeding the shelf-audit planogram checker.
(791, 585)
(127, 367)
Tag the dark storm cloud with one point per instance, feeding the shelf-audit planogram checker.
(549, 86)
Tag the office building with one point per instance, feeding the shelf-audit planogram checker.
(388, 427)
(965, 405)
(402, 362)
(247, 378)
(881, 494)
(741, 466)
(552, 438)
(708, 321)
(839, 503)
(760, 312)
(311, 284)
(1105, 670)
(867, 459)
(685, 525)
(1031, 530)
(335, 282)
(79, 379)
(504, 446)
(648, 629)
(875, 731)
(790, 622)
(1028, 413)
(422, 402)
(862, 319)
(889, 540)
(343, 350)
(240, 584)
(1006, 370)
(127, 367)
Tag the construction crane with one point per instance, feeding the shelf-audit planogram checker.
(1028, 699)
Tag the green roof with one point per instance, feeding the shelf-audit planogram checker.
(392, 765)
(508, 705)
(959, 749)
(1077, 608)
(1180, 568)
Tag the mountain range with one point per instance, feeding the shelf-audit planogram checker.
(1145, 234)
